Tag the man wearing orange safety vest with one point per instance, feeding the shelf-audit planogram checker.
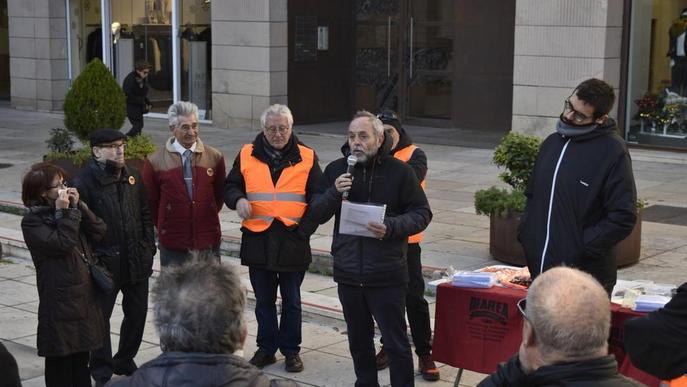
(417, 309)
(270, 186)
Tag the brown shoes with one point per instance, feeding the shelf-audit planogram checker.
(293, 363)
(427, 368)
(382, 359)
(262, 359)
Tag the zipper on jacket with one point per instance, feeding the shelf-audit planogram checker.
(548, 218)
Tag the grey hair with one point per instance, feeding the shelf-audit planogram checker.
(199, 308)
(377, 124)
(181, 109)
(276, 110)
(570, 314)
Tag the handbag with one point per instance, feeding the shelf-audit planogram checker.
(100, 275)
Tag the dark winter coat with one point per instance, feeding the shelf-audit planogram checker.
(418, 161)
(182, 223)
(600, 372)
(129, 245)
(69, 317)
(182, 369)
(657, 342)
(136, 90)
(363, 261)
(593, 207)
(279, 248)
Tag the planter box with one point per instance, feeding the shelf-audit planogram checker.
(629, 249)
(503, 241)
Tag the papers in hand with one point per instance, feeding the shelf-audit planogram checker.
(356, 216)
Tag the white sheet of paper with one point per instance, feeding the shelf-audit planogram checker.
(356, 216)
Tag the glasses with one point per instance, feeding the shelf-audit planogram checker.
(274, 129)
(522, 307)
(61, 185)
(387, 115)
(113, 146)
(576, 116)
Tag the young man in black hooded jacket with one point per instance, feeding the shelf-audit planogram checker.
(581, 195)
(371, 272)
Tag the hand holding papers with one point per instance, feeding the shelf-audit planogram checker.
(356, 216)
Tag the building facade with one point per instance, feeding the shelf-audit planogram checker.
(488, 65)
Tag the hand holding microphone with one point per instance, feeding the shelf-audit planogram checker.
(344, 182)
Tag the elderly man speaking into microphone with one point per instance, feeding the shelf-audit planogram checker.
(371, 272)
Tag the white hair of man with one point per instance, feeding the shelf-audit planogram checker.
(377, 124)
(199, 308)
(181, 109)
(276, 110)
(570, 315)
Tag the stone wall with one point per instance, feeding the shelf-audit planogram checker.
(249, 60)
(38, 54)
(558, 44)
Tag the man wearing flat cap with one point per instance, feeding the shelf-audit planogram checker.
(116, 194)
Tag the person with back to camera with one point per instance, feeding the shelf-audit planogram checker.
(566, 323)
(199, 315)
(58, 230)
(135, 87)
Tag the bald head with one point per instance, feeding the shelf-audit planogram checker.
(570, 314)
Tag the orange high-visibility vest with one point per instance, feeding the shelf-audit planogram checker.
(404, 155)
(678, 382)
(285, 202)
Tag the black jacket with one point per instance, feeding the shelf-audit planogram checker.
(181, 369)
(278, 248)
(364, 261)
(69, 317)
(129, 246)
(600, 372)
(593, 206)
(657, 342)
(136, 90)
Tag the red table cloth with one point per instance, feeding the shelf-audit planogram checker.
(476, 329)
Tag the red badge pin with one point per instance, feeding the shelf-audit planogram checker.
(132, 180)
(211, 171)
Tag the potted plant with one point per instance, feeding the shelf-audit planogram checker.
(62, 153)
(629, 249)
(516, 154)
(137, 149)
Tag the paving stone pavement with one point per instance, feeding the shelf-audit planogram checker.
(457, 237)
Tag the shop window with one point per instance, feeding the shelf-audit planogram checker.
(657, 74)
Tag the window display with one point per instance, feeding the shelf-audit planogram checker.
(657, 74)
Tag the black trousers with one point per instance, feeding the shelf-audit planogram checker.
(416, 305)
(387, 306)
(135, 307)
(678, 76)
(136, 125)
(67, 371)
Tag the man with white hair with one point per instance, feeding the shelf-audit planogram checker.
(270, 186)
(185, 185)
(199, 310)
(567, 318)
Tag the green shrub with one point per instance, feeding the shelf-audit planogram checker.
(94, 101)
(499, 201)
(138, 147)
(60, 140)
(517, 154)
(78, 157)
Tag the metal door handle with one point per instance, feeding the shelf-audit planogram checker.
(412, 24)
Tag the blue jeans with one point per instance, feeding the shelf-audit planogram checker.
(284, 335)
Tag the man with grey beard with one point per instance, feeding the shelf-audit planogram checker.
(371, 272)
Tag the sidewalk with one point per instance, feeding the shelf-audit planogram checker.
(456, 237)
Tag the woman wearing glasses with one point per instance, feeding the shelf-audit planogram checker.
(57, 228)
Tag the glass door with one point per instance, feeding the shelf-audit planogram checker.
(377, 54)
(429, 65)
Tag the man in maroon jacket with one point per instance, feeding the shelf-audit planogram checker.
(185, 185)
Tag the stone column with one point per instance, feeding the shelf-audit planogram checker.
(249, 60)
(558, 44)
(38, 54)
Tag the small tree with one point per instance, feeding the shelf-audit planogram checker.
(94, 101)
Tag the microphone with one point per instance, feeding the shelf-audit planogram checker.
(351, 161)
